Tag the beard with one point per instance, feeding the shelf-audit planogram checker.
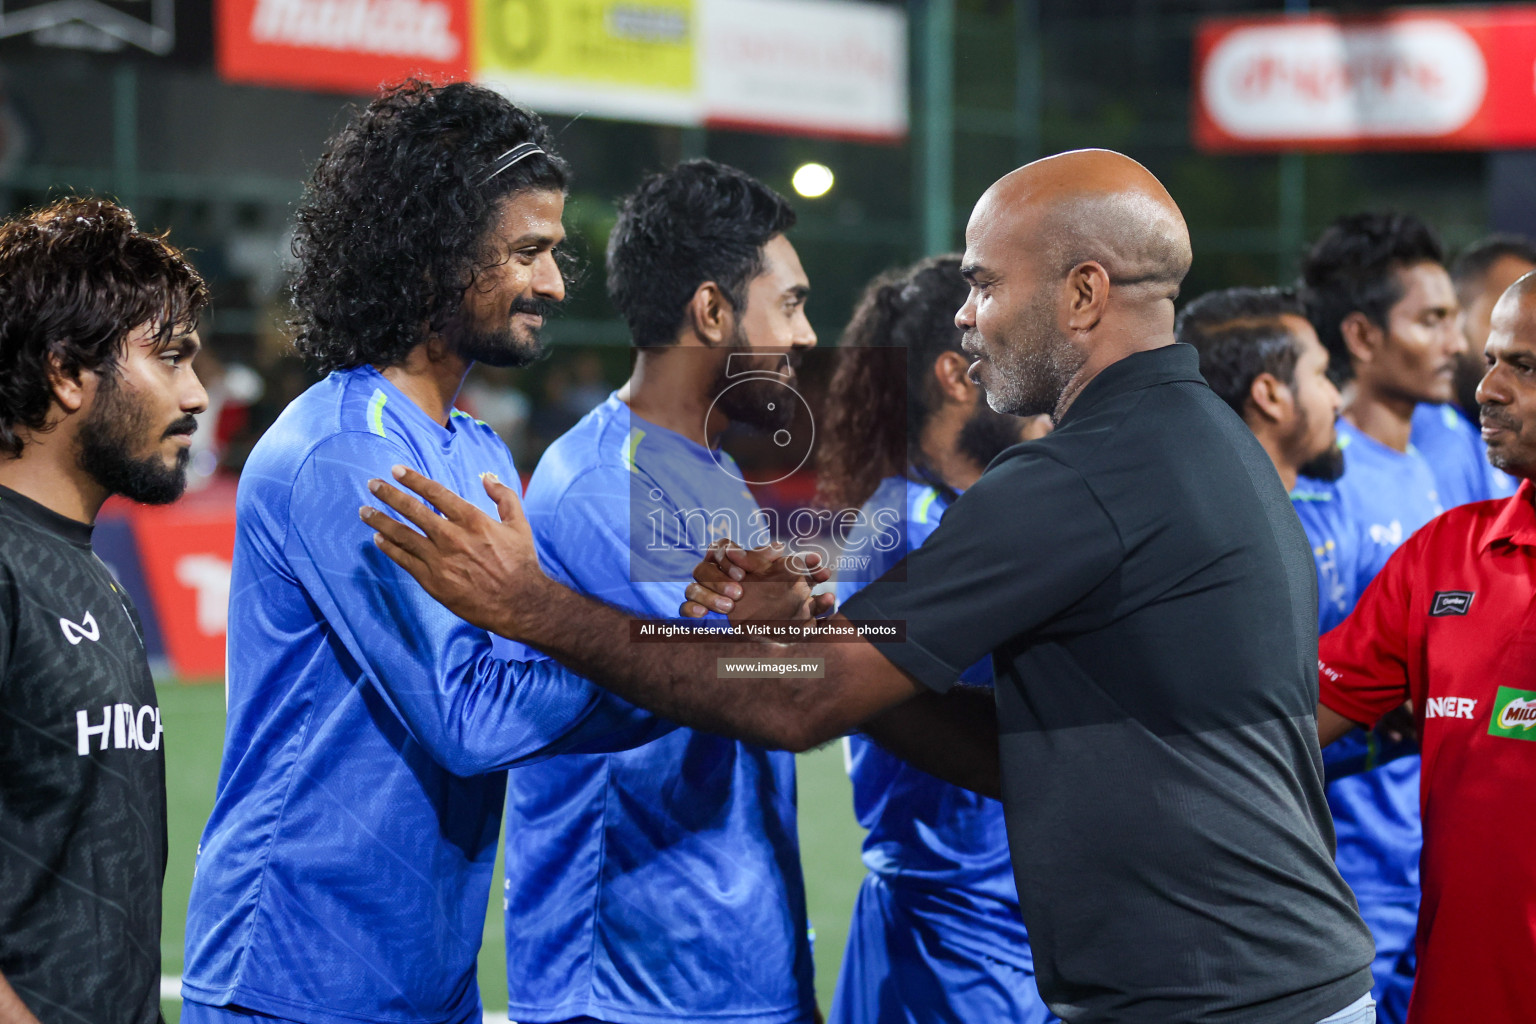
(756, 401)
(1499, 456)
(987, 434)
(502, 346)
(1328, 466)
(114, 429)
(1034, 371)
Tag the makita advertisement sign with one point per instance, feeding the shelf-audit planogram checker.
(347, 45)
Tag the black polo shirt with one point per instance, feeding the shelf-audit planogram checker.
(1148, 598)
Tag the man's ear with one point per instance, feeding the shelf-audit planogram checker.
(1270, 399)
(950, 372)
(710, 315)
(1362, 338)
(70, 391)
(1087, 295)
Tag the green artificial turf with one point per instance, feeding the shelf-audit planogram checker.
(193, 716)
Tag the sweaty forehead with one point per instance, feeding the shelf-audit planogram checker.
(532, 213)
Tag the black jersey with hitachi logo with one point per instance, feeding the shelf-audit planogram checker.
(82, 780)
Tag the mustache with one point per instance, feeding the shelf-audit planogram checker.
(186, 425)
(1492, 416)
(970, 342)
(534, 306)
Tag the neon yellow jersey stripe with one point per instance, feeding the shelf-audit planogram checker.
(635, 436)
(376, 412)
(923, 504)
(464, 415)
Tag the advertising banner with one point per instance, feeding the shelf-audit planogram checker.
(1444, 78)
(806, 66)
(342, 45)
(186, 550)
(612, 58)
(817, 67)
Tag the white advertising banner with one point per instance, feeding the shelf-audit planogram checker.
(1422, 77)
(816, 67)
(827, 67)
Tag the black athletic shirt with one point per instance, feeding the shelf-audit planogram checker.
(82, 780)
(1148, 597)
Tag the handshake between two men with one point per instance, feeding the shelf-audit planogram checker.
(486, 571)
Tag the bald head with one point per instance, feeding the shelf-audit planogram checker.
(1515, 308)
(1093, 205)
(1522, 289)
(1073, 262)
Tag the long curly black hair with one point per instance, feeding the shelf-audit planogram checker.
(882, 391)
(76, 277)
(393, 224)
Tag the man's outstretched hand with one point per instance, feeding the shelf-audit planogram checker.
(480, 569)
(760, 583)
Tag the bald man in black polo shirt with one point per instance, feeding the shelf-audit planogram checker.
(1147, 596)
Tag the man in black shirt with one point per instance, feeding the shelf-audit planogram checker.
(97, 397)
(1146, 594)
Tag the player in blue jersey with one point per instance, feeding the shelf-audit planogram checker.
(344, 872)
(936, 934)
(663, 883)
(1481, 273)
(1382, 303)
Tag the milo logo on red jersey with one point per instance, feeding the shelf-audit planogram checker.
(1514, 714)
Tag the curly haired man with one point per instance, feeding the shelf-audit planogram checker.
(344, 872)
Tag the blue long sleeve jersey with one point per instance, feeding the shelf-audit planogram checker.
(343, 874)
(662, 883)
(921, 830)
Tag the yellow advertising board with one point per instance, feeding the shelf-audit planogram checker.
(570, 55)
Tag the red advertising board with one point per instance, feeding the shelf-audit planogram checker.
(1414, 78)
(341, 45)
(186, 550)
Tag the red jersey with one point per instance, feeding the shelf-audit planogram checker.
(1450, 623)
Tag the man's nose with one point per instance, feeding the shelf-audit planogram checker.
(194, 398)
(965, 317)
(548, 280)
(805, 334)
(1491, 389)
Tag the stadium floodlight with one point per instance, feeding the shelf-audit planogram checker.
(812, 180)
